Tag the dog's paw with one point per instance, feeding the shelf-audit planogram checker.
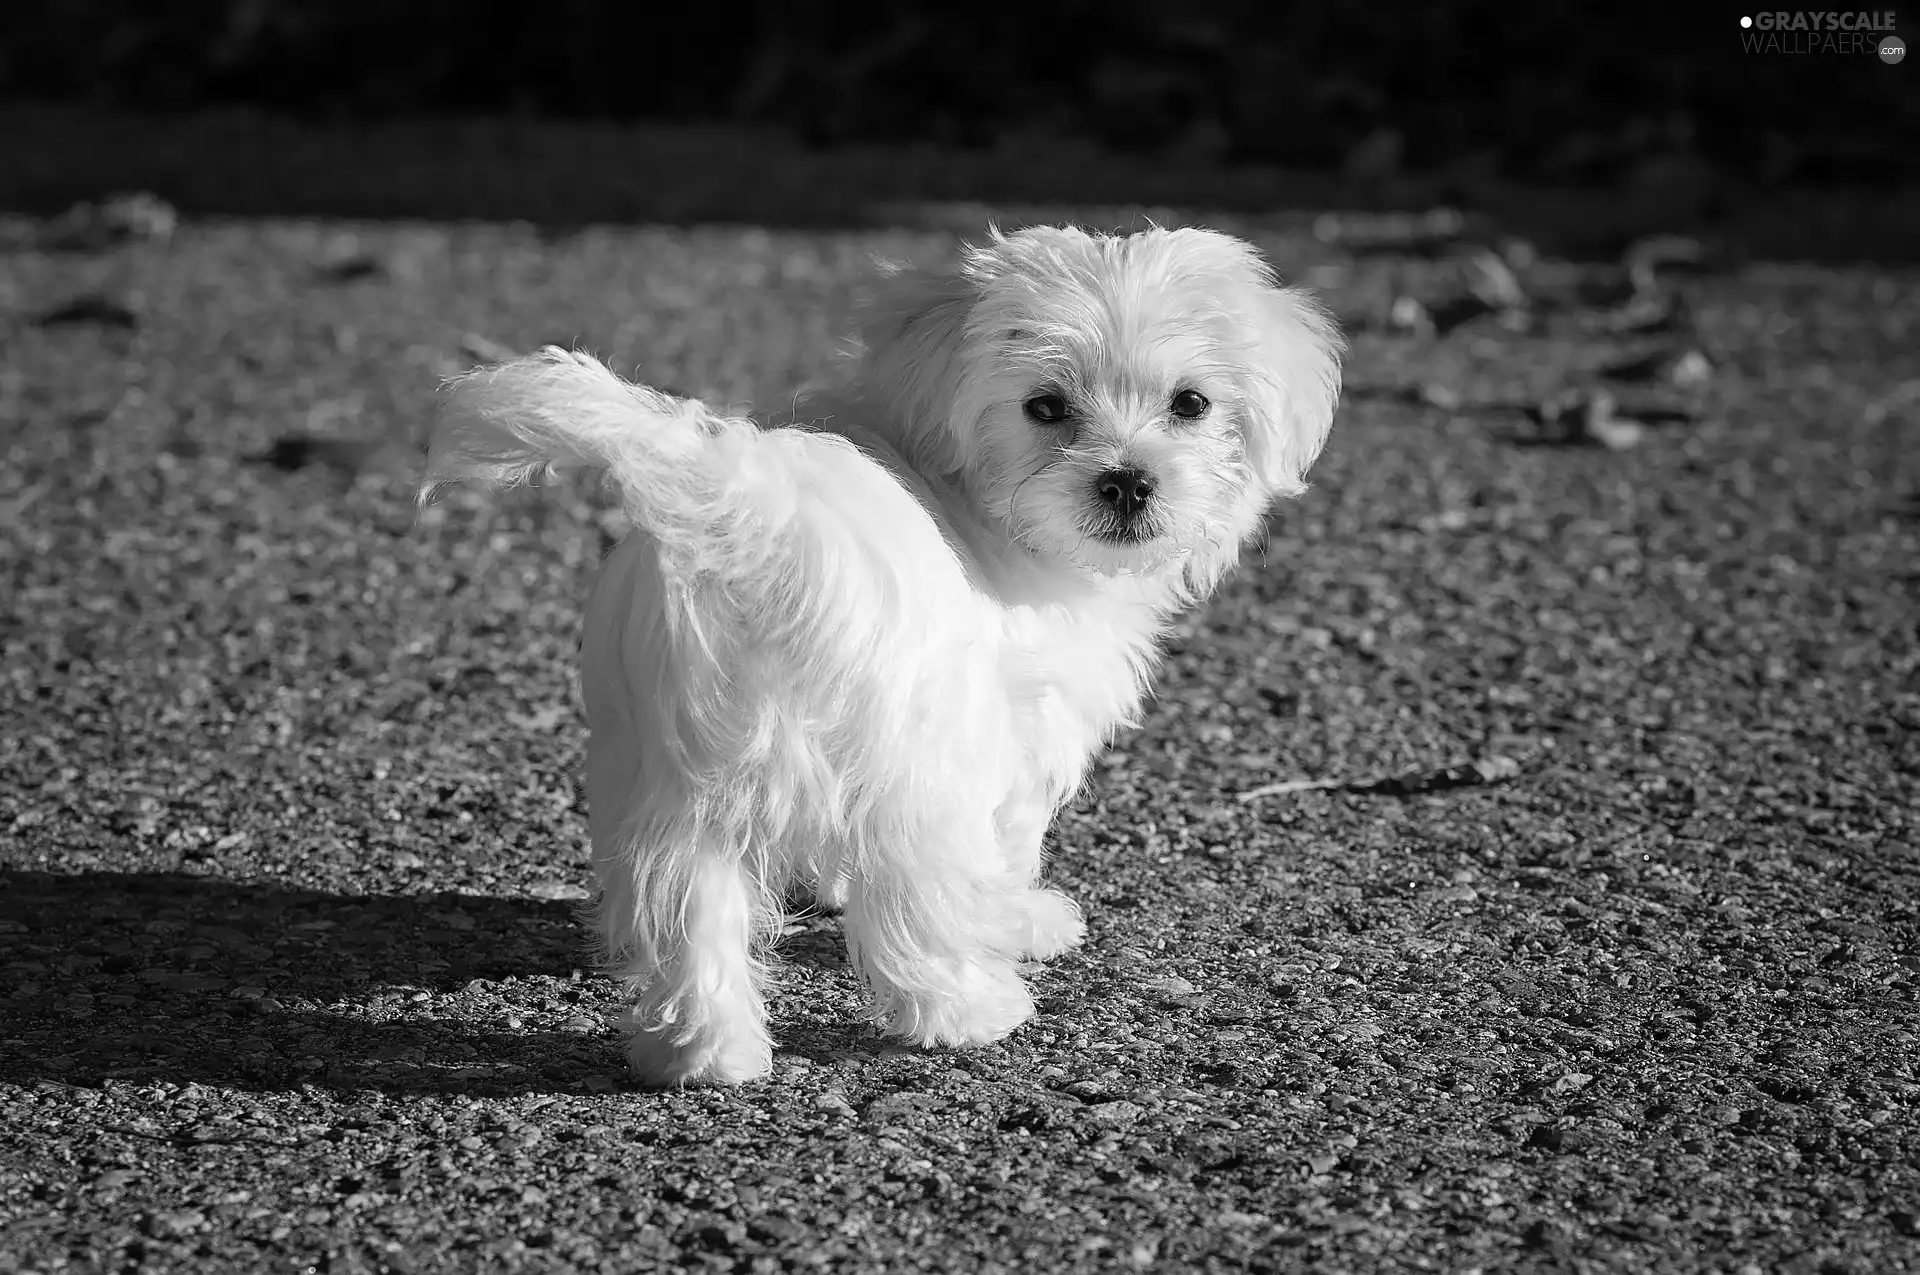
(959, 1003)
(709, 1057)
(1053, 924)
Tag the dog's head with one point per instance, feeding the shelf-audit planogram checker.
(1122, 402)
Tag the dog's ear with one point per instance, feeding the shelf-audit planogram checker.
(914, 327)
(1290, 347)
(1293, 385)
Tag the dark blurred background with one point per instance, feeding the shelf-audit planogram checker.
(1558, 92)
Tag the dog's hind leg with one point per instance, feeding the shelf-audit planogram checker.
(700, 1017)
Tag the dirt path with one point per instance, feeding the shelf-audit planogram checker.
(288, 837)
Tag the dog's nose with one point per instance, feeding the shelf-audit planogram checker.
(1125, 491)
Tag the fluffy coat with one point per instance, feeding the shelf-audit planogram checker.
(871, 653)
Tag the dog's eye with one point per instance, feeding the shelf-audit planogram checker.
(1190, 404)
(1048, 409)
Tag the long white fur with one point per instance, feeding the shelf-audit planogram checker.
(872, 656)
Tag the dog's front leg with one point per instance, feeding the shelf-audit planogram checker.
(930, 925)
(1050, 922)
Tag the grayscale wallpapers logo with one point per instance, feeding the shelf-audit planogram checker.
(1824, 31)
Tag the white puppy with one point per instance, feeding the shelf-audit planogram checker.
(871, 653)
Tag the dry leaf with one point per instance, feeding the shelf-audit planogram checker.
(1493, 281)
(90, 227)
(1400, 232)
(1644, 258)
(91, 307)
(1580, 416)
(481, 350)
(1685, 368)
(353, 267)
(1649, 312)
(291, 452)
(1484, 770)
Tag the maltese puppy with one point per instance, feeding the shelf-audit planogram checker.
(870, 652)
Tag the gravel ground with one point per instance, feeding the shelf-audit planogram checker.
(1517, 870)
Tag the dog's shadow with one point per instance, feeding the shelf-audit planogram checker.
(170, 976)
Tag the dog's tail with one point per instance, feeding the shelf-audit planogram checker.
(682, 469)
